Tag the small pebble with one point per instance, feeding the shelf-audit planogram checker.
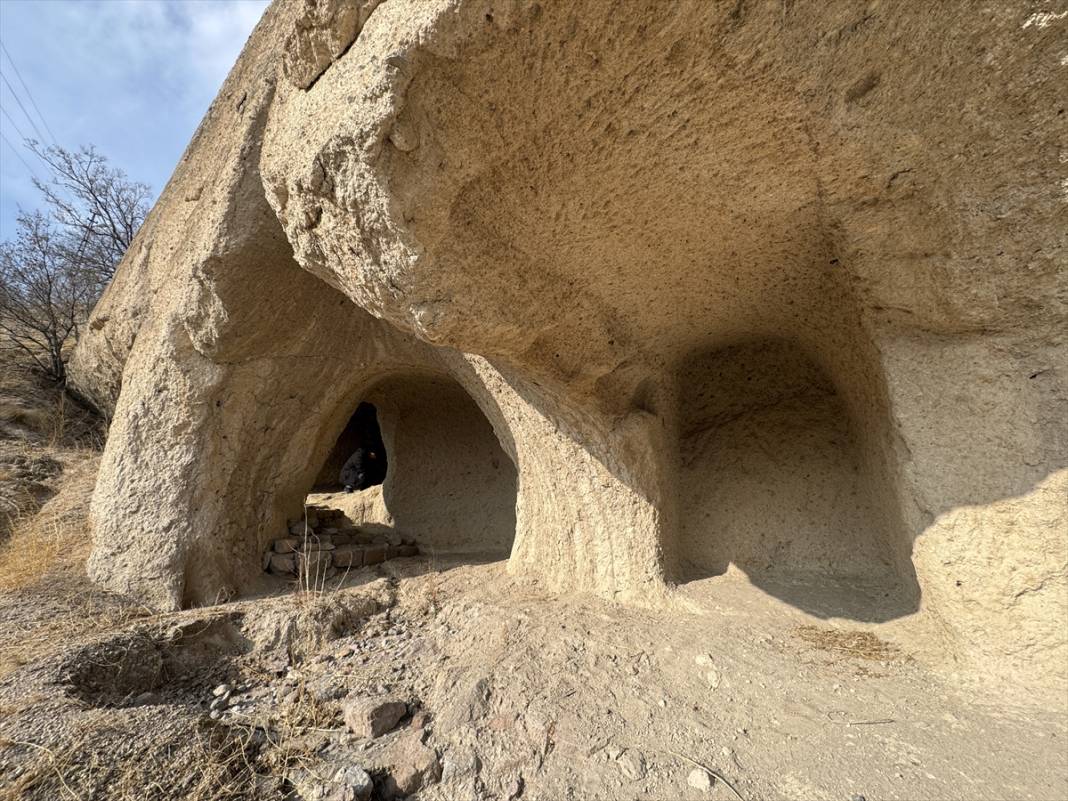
(700, 779)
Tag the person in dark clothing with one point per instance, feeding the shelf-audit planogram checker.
(366, 467)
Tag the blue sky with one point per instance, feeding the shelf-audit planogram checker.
(133, 77)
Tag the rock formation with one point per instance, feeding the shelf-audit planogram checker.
(777, 285)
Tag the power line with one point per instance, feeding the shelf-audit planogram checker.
(29, 94)
(26, 113)
(25, 139)
(16, 152)
(14, 124)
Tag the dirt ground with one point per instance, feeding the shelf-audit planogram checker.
(511, 692)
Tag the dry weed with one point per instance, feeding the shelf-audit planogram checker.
(857, 644)
(209, 763)
(40, 545)
(311, 585)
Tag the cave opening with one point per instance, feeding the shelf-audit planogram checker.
(358, 460)
(774, 482)
(416, 470)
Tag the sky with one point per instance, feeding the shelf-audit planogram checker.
(133, 77)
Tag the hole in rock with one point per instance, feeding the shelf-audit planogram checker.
(439, 484)
(772, 480)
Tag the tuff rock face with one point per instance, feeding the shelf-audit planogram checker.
(771, 285)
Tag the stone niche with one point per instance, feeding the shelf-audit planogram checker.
(774, 478)
(644, 293)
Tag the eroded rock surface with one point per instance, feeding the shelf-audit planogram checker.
(759, 286)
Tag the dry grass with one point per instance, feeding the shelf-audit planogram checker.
(46, 416)
(46, 597)
(207, 763)
(39, 545)
(47, 601)
(856, 644)
(26, 473)
(57, 616)
(41, 431)
(56, 539)
(37, 420)
(33, 405)
(68, 613)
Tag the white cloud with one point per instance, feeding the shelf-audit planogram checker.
(133, 77)
(214, 34)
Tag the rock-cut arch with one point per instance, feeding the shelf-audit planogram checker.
(450, 485)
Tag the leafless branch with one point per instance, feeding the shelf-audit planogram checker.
(61, 259)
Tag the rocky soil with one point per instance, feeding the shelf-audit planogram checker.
(454, 681)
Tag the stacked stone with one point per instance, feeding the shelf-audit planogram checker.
(321, 544)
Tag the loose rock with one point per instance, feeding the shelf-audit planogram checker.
(351, 783)
(700, 779)
(373, 717)
(348, 556)
(373, 554)
(146, 699)
(284, 564)
(632, 765)
(411, 766)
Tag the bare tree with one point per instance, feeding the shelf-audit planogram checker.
(97, 207)
(43, 294)
(54, 270)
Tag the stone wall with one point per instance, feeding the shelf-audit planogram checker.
(323, 544)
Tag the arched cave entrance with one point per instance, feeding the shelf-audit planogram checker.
(773, 480)
(449, 489)
(449, 483)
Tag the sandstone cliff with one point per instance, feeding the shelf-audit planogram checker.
(771, 285)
